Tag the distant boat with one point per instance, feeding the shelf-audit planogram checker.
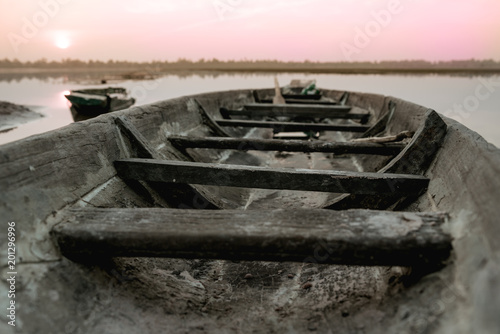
(94, 102)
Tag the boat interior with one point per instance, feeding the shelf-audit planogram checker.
(226, 211)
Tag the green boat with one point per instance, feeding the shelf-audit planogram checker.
(97, 101)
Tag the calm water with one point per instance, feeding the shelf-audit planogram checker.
(472, 100)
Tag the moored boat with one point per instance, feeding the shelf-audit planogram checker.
(92, 102)
(195, 215)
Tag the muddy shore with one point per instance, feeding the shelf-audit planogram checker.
(12, 115)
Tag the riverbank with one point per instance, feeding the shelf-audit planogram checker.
(115, 75)
(141, 70)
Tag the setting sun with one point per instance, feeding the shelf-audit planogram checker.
(63, 42)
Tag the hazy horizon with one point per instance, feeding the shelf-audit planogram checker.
(44, 60)
(294, 30)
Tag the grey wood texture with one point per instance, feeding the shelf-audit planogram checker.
(293, 126)
(269, 178)
(247, 144)
(358, 237)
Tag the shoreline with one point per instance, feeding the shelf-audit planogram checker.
(13, 115)
(307, 69)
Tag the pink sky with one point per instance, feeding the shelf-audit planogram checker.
(296, 30)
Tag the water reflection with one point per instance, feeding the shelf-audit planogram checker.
(97, 77)
(44, 93)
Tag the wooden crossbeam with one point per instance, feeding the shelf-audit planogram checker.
(314, 113)
(138, 143)
(283, 108)
(302, 101)
(178, 194)
(415, 158)
(303, 97)
(209, 121)
(381, 123)
(355, 237)
(269, 178)
(293, 126)
(247, 144)
(294, 99)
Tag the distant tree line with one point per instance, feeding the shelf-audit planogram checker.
(214, 64)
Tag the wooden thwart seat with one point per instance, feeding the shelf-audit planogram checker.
(304, 108)
(295, 100)
(287, 111)
(354, 237)
(301, 99)
(269, 178)
(413, 159)
(247, 144)
(292, 126)
(313, 97)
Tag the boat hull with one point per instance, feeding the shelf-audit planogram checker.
(88, 103)
(44, 175)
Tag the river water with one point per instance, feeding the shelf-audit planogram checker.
(472, 100)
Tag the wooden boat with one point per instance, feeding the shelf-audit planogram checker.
(88, 103)
(177, 217)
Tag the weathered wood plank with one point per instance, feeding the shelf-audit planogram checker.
(355, 237)
(283, 108)
(295, 113)
(294, 100)
(178, 194)
(381, 124)
(247, 144)
(269, 178)
(209, 121)
(137, 141)
(418, 154)
(414, 159)
(294, 126)
(343, 99)
(302, 101)
(303, 97)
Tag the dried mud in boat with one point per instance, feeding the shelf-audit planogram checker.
(187, 216)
